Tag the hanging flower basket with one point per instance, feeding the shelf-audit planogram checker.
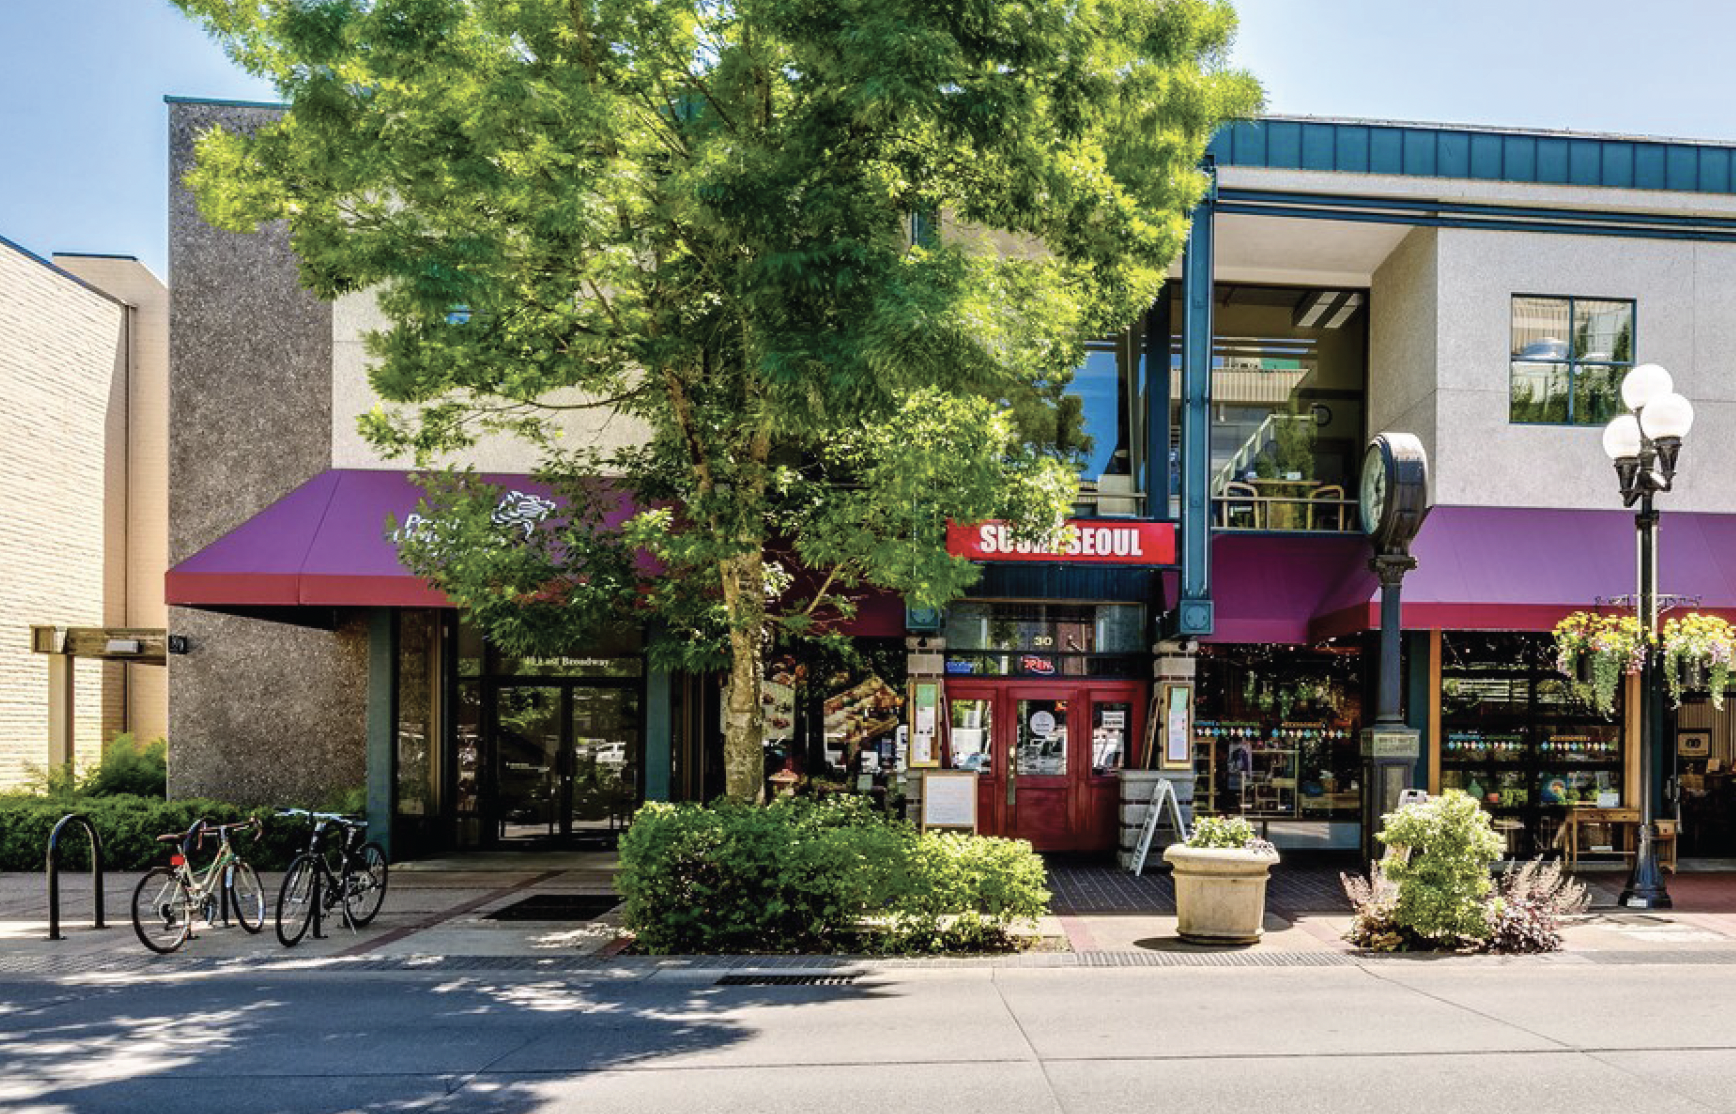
(1596, 652)
(1698, 650)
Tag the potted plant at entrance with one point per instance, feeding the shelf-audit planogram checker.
(1698, 650)
(1220, 881)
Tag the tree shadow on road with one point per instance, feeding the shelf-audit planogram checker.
(322, 1041)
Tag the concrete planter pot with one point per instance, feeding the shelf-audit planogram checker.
(1220, 893)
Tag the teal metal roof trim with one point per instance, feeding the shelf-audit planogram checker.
(1432, 151)
(216, 103)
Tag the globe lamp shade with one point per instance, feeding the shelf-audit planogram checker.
(1668, 415)
(1645, 383)
(1621, 438)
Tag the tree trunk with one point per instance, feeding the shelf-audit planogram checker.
(743, 715)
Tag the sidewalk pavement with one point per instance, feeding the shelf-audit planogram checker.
(440, 910)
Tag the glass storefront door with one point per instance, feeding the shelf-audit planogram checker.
(564, 761)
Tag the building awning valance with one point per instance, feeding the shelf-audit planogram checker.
(1478, 568)
(326, 544)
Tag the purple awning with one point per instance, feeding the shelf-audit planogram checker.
(323, 544)
(1478, 568)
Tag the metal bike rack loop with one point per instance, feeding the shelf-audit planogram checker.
(54, 871)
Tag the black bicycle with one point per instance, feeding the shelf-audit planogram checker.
(314, 887)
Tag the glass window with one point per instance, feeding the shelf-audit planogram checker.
(1516, 739)
(1094, 419)
(1567, 358)
(418, 684)
(1042, 748)
(1045, 639)
(1109, 728)
(1289, 372)
(1277, 732)
(972, 735)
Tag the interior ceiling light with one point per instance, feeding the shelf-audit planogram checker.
(1314, 307)
(1327, 309)
(1352, 302)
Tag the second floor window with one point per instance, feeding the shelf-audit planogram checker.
(1567, 359)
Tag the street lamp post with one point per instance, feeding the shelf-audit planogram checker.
(1644, 444)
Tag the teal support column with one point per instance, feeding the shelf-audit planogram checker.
(1156, 383)
(659, 734)
(1193, 613)
(1417, 698)
(382, 720)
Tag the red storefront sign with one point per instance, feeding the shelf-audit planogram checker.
(1093, 541)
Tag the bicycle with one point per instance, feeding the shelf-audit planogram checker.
(169, 898)
(312, 889)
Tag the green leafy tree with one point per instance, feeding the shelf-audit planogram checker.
(699, 214)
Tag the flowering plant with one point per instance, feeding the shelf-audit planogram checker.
(1610, 646)
(1698, 644)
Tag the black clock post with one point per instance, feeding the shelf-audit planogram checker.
(1394, 502)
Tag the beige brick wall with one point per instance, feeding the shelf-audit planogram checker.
(138, 485)
(60, 350)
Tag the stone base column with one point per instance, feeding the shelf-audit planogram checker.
(924, 662)
(1173, 663)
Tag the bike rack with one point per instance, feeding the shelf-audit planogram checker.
(54, 871)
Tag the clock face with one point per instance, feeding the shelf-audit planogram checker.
(1374, 493)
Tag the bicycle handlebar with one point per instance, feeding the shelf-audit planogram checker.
(338, 816)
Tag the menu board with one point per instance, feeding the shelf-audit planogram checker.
(949, 799)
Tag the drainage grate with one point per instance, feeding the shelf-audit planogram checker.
(556, 907)
(787, 980)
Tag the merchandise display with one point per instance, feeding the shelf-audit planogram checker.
(1516, 740)
(1277, 737)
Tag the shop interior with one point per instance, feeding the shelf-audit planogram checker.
(1276, 740)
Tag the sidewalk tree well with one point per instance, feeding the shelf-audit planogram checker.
(708, 218)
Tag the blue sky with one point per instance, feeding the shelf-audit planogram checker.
(83, 127)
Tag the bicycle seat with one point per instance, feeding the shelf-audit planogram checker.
(172, 837)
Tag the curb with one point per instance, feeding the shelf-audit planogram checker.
(695, 966)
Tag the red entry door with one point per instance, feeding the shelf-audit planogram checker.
(1046, 754)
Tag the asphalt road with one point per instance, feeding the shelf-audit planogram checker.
(1483, 1036)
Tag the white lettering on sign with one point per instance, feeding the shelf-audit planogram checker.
(1089, 541)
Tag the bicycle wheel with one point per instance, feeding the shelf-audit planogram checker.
(163, 910)
(295, 899)
(246, 897)
(365, 884)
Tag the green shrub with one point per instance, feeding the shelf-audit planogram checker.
(804, 875)
(1443, 883)
(129, 827)
(130, 769)
(963, 892)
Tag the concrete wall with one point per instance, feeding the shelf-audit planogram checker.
(1684, 319)
(352, 396)
(62, 361)
(259, 710)
(1404, 341)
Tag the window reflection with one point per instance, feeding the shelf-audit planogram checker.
(1094, 419)
(1568, 358)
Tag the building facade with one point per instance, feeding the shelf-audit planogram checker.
(84, 373)
(1213, 622)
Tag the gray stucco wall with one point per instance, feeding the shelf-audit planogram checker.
(259, 712)
(1403, 342)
